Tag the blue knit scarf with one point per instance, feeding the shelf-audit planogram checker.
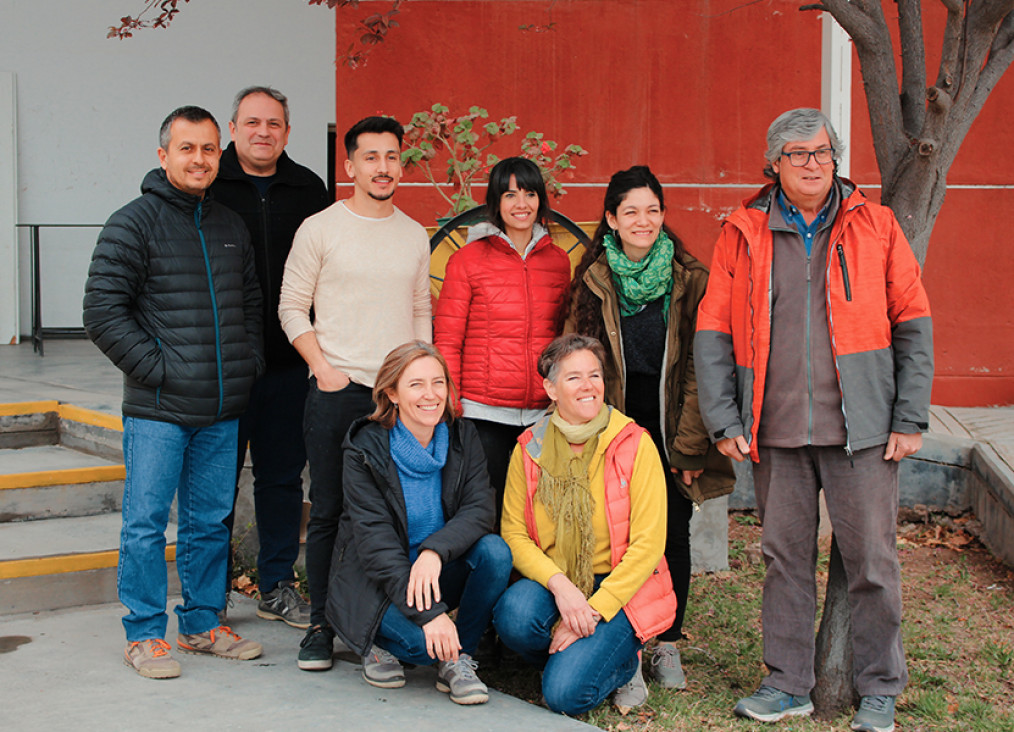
(419, 469)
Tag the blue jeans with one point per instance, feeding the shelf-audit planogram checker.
(198, 463)
(582, 675)
(472, 583)
(273, 425)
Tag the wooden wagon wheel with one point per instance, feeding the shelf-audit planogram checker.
(453, 235)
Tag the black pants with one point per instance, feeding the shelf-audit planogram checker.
(327, 418)
(272, 424)
(679, 510)
(498, 441)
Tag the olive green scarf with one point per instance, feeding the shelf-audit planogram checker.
(638, 283)
(565, 492)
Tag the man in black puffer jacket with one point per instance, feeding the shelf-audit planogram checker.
(172, 299)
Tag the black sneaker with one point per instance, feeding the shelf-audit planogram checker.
(285, 604)
(316, 649)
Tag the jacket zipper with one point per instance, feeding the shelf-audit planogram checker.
(830, 322)
(267, 254)
(214, 306)
(158, 389)
(844, 272)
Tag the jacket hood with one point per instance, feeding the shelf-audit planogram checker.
(617, 421)
(485, 229)
(288, 172)
(374, 439)
(369, 437)
(157, 183)
(753, 215)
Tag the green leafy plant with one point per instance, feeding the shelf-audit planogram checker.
(454, 150)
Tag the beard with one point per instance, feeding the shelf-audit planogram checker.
(377, 197)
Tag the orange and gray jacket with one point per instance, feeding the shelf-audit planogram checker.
(878, 319)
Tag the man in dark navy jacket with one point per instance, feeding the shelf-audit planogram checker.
(172, 299)
(272, 194)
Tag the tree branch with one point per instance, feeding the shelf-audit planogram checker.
(950, 47)
(864, 21)
(992, 12)
(913, 66)
(1001, 54)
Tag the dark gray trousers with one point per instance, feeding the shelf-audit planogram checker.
(862, 501)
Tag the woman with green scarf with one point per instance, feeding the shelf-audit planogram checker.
(584, 517)
(637, 290)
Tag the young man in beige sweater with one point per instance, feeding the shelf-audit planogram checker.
(363, 266)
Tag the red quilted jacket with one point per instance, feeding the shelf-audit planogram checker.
(496, 314)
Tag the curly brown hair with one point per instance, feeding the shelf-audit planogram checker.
(586, 308)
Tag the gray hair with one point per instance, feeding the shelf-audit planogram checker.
(267, 91)
(560, 348)
(793, 126)
(190, 114)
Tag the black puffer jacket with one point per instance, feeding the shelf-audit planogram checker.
(370, 566)
(295, 193)
(172, 299)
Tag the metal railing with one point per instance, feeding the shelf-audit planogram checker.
(39, 332)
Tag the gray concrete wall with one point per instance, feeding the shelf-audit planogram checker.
(89, 109)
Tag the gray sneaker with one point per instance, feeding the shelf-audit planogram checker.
(458, 678)
(382, 669)
(285, 603)
(876, 714)
(666, 668)
(221, 642)
(151, 659)
(769, 704)
(632, 694)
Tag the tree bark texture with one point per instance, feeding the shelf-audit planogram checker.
(833, 654)
(917, 131)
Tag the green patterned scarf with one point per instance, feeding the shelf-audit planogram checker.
(638, 283)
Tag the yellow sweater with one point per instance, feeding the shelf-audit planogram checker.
(647, 524)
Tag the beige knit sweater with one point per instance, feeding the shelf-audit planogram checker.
(368, 282)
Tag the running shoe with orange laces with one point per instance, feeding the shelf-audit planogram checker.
(151, 659)
(221, 642)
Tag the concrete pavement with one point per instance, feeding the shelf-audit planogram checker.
(63, 670)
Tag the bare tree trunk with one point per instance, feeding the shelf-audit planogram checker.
(919, 126)
(834, 692)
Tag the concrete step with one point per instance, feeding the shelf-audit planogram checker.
(64, 562)
(57, 481)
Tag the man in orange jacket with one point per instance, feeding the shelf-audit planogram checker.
(814, 357)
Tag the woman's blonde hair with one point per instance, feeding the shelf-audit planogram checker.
(390, 373)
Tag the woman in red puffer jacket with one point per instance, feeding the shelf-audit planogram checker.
(501, 304)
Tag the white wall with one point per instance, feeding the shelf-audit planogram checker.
(8, 211)
(88, 108)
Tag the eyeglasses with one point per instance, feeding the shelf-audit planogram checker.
(801, 158)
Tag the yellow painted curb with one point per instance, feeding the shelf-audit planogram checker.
(16, 408)
(63, 411)
(90, 416)
(64, 563)
(97, 474)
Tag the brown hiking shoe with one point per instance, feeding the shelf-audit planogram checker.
(221, 642)
(151, 659)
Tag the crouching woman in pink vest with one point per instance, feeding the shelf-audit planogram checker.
(584, 516)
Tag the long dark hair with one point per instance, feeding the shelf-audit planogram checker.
(586, 306)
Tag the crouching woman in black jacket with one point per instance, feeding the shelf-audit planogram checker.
(414, 540)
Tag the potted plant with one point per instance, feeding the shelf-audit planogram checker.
(465, 139)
